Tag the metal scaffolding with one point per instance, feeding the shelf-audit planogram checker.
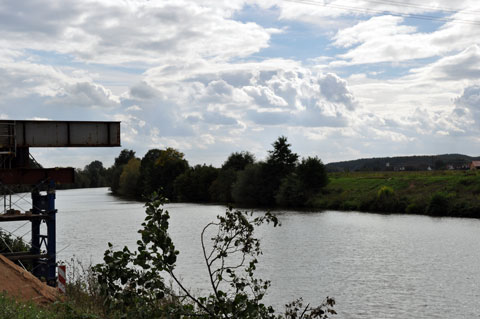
(16, 137)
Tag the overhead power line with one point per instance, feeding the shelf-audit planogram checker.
(428, 8)
(390, 12)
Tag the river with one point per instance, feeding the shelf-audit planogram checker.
(375, 266)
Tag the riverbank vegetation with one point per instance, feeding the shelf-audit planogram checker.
(283, 180)
(436, 193)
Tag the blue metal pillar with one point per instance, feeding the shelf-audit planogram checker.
(35, 248)
(45, 204)
(52, 235)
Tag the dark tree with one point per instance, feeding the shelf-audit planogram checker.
(281, 156)
(193, 185)
(291, 192)
(304, 183)
(116, 170)
(123, 158)
(248, 190)
(280, 162)
(221, 188)
(129, 179)
(312, 174)
(159, 169)
(81, 179)
(238, 161)
(96, 173)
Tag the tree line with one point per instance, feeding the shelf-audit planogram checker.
(283, 179)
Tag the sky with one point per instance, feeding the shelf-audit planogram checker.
(341, 79)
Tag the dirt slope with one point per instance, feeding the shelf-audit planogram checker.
(21, 284)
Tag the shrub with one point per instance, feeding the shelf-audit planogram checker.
(193, 185)
(386, 200)
(350, 205)
(439, 204)
(8, 242)
(416, 208)
(291, 192)
(385, 192)
(248, 188)
(132, 282)
(312, 173)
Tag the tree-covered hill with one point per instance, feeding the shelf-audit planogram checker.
(404, 163)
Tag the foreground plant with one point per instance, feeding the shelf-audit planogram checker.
(133, 282)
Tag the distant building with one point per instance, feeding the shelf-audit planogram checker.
(475, 165)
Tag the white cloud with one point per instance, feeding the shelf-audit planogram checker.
(133, 108)
(186, 74)
(466, 115)
(24, 79)
(384, 26)
(130, 31)
(389, 39)
(464, 65)
(87, 95)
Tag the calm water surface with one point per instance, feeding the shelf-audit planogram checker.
(376, 266)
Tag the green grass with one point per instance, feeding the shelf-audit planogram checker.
(359, 190)
(9, 308)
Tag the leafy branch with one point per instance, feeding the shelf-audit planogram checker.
(133, 282)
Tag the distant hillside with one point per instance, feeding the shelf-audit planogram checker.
(404, 163)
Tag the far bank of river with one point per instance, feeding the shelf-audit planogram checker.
(434, 193)
(376, 266)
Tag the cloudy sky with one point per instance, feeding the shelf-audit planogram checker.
(342, 79)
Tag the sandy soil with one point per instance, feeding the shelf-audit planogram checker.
(22, 285)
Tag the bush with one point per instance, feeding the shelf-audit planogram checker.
(439, 204)
(466, 209)
(8, 242)
(291, 192)
(385, 193)
(221, 188)
(350, 205)
(248, 188)
(312, 173)
(193, 185)
(386, 200)
(416, 208)
(128, 183)
(132, 282)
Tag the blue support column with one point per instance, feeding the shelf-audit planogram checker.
(52, 235)
(45, 268)
(35, 249)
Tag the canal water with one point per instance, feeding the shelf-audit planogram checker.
(375, 266)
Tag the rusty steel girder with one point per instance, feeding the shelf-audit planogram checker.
(33, 176)
(59, 134)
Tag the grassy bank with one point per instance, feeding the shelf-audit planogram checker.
(439, 193)
(11, 308)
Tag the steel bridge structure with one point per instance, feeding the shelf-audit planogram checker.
(16, 139)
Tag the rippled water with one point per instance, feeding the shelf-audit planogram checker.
(376, 266)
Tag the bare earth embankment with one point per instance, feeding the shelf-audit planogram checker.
(22, 285)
